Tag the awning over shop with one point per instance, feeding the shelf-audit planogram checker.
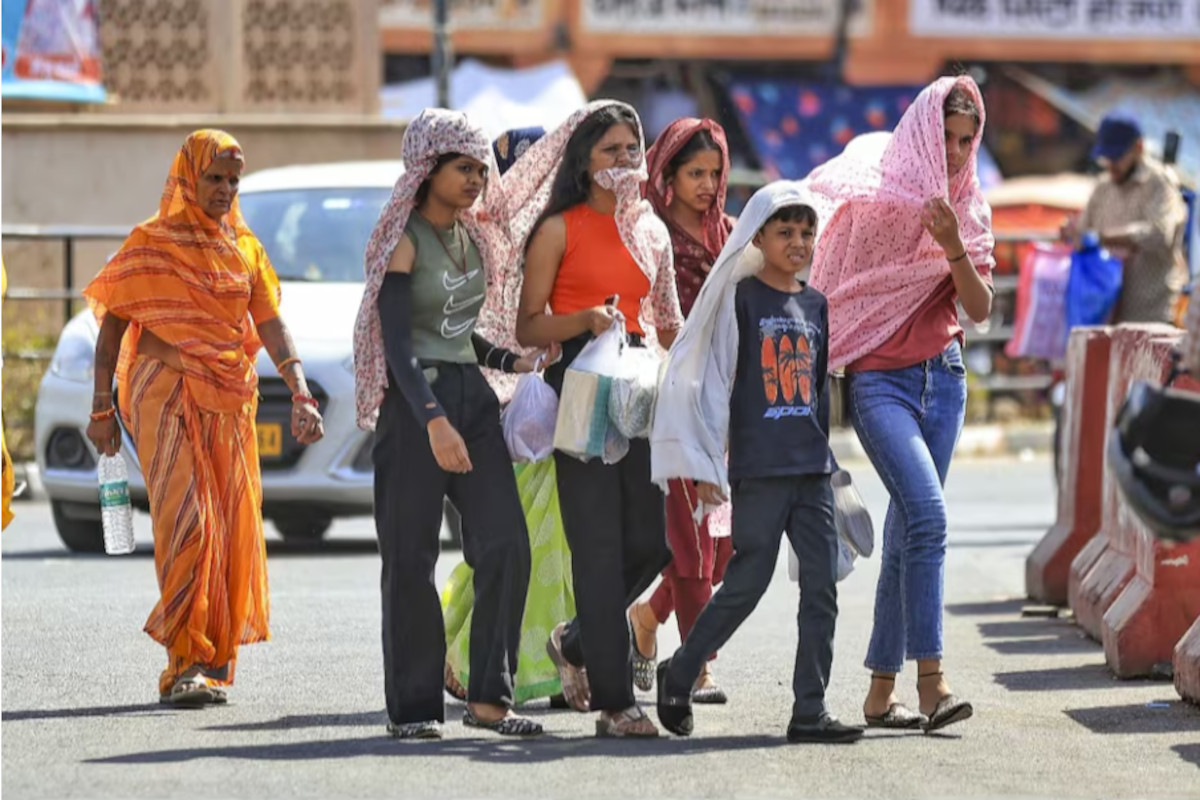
(1161, 104)
(499, 99)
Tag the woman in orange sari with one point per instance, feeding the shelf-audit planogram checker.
(184, 307)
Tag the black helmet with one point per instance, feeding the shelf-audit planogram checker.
(1154, 453)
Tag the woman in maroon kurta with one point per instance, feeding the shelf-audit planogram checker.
(689, 172)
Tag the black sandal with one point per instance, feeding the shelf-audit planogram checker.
(509, 725)
(674, 710)
(898, 716)
(430, 729)
(949, 710)
(643, 667)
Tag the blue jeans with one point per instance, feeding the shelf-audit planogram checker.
(908, 421)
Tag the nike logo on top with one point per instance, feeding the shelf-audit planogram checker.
(456, 282)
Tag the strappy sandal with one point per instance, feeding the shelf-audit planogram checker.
(643, 667)
(712, 694)
(509, 725)
(430, 729)
(898, 716)
(453, 687)
(949, 710)
(674, 711)
(189, 691)
(572, 678)
(632, 723)
(219, 696)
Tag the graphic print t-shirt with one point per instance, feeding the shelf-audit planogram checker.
(779, 409)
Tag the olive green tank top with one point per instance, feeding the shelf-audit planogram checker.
(446, 300)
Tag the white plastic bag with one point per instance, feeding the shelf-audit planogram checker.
(583, 429)
(634, 390)
(528, 422)
(845, 565)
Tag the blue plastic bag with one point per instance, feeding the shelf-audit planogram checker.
(1095, 284)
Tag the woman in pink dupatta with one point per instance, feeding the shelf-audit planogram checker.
(909, 234)
(688, 179)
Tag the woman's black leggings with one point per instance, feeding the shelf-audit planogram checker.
(615, 520)
(409, 488)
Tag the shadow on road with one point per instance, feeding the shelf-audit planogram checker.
(1035, 636)
(492, 750)
(141, 709)
(1167, 716)
(357, 719)
(1189, 753)
(988, 608)
(1082, 677)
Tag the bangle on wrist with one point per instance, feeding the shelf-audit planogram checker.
(287, 362)
(305, 399)
(100, 416)
(958, 257)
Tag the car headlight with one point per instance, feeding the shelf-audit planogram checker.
(75, 357)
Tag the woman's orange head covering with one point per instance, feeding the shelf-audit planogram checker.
(193, 283)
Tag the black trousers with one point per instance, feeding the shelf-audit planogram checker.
(763, 509)
(409, 489)
(615, 521)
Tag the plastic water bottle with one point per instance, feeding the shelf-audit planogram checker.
(115, 511)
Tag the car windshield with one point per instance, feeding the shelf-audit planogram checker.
(315, 234)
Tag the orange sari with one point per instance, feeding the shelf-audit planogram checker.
(199, 286)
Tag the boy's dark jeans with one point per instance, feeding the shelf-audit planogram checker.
(763, 509)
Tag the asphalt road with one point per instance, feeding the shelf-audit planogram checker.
(81, 718)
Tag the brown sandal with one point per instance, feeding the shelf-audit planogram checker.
(573, 679)
(191, 691)
(632, 723)
(453, 687)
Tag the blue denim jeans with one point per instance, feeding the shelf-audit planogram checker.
(909, 421)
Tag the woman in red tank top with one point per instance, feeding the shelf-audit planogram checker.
(598, 247)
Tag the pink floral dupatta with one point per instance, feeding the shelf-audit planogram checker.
(526, 193)
(433, 133)
(874, 261)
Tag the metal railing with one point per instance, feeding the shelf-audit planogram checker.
(69, 235)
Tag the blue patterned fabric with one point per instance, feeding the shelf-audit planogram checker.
(796, 126)
(509, 146)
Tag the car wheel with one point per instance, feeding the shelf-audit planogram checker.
(303, 529)
(79, 526)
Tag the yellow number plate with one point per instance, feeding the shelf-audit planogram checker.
(270, 440)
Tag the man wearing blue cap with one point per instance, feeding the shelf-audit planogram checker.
(1139, 215)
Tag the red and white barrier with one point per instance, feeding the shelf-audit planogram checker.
(1082, 467)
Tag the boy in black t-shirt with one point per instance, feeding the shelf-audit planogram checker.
(779, 471)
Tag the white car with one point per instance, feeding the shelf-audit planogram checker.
(314, 222)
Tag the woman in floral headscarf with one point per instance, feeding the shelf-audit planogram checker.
(184, 306)
(550, 598)
(595, 246)
(689, 176)
(909, 236)
(433, 261)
